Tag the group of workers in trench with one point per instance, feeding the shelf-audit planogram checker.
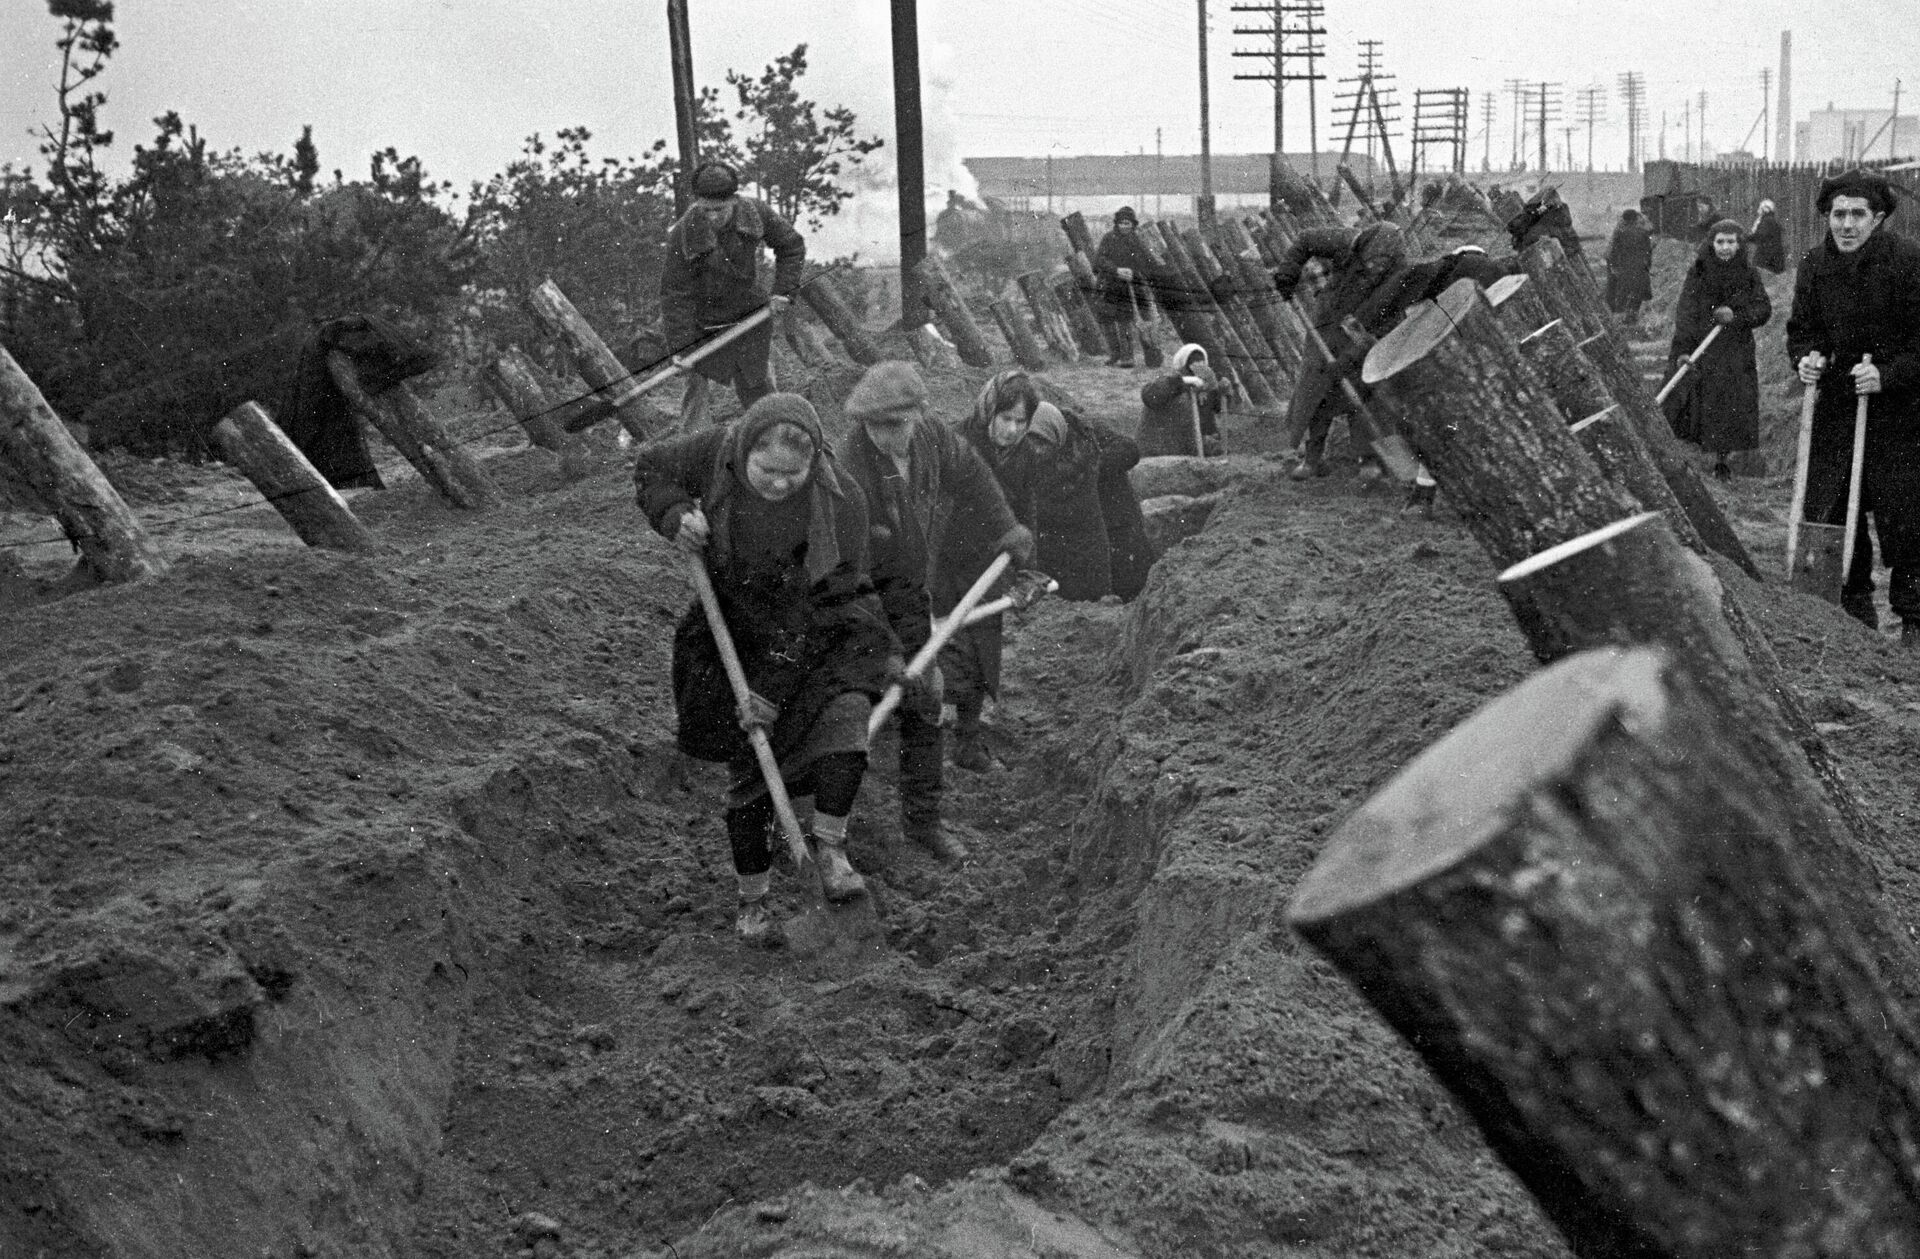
(833, 569)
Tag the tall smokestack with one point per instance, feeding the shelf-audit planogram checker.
(1783, 104)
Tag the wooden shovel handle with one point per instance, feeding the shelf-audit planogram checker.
(1854, 479)
(943, 631)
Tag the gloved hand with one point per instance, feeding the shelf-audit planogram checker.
(1028, 588)
(927, 692)
(761, 711)
(691, 536)
(1723, 314)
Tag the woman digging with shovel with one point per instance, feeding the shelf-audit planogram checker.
(759, 505)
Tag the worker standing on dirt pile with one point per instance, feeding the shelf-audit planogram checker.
(1858, 293)
(1629, 266)
(709, 280)
(1545, 214)
(1168, 403)
(1717, 407)
(785, 537)
(1367, 276)
(1129, 278)
(929, 496)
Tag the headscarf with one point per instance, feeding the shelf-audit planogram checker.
(1049, 426)
(996, 396)
(1191, 360)
(823, 488)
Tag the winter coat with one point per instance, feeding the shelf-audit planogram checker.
(947, 506)
(1629, 267)
(1114, 296)
(709, 278)
(1718, 406)
(971, 660)
(1359, 264)
(1070, 525)
(808, 626)
(1769, 243)
(1537, 220)
(1844, 306)
(1166, 416)
(1130, 554)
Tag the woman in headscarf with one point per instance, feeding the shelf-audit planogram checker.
(784, 537)
(1769, 240)
(1167, 405)
(1718, 406)
(1629, 266)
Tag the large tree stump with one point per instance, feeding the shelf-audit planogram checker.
(951, 309)
(1571, 295)
(253, 443)
(1047, 314)
(825, 302)
(112, 545)
(1020, 338)
(512, 379)
(598, 366)
(1586, 909)
(444, 463)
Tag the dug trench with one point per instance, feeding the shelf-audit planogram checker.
(362, 906)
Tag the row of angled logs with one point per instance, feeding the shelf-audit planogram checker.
(951, 310)
(1019, 337)
(444, 462)
(1048, 315)
(250, 441)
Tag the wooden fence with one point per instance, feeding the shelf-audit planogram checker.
(1678, 196)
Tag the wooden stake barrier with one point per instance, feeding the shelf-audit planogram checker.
(824, 300)
(512, 379)
(1087, 287)
(1586, 908)
(597, 364)
(1047, 314)
(112, 545)
(250, 441)
(953, 314)
(1241, 330)
(1088, 332)
(1196, 317)
(1254, 284)
(443, 462)
(1572, 297)
(1020, 338)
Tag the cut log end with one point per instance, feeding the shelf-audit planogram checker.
(1593, 419)
(1456, 796)
(1574, 546)
(1426, 325)
(1503, 288)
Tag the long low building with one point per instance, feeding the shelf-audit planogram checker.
(1020, 181)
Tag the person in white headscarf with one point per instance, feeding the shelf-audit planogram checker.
(1167, 406)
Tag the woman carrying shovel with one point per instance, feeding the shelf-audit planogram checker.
(1719, 408)
(785, 538)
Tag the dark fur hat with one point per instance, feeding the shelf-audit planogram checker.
(715, 179)
(1857, 183)
(1125, 214)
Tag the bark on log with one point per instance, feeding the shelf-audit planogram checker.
(443, 462)
(112, 545)
(1198, 318)
(597, 364)
(1020, 338)
(1087, 329)
(253, 443)
(1587, 910)
(1048, 315)
(513, 381)
(1243, 333)
(932, 349)
(825, 301)
(1501, 452)
(951, 309)
(802, 338)
(1570, 294)
(1079, 235)
(1088, 288)
(1253, 288)
(1301, 198)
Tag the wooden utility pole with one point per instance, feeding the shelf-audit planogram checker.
(912, 175)
(1203, 209)
(684, 95)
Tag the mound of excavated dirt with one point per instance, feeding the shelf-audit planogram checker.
(362, 907)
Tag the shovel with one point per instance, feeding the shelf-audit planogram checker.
(1687, 365)
(943, 630)
(813, 929)
(1041, 585)
(1819, 556)
(1394, 453)
(1199, 434)
(680, 365)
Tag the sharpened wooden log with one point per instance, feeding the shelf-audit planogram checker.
(1301, 198)
(1571, 295)
(1020, 338)
(1079, 235)
(1254, 286)
(512, 379)
(1586, 909)
(1047, 314)
(253, 443)
(597, 366)
(1242, 333)
(443, 462)
(1193, 313)
(951, 309)
(931, 349)
(112, 545)
(824, 300)
(1087, 329)
(1087, 285)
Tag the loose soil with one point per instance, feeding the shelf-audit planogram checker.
(361, 906)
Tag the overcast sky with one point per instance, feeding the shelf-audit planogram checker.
(461, 83)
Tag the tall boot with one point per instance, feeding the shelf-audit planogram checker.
(970, 742)
(838, 879)
(922, 748)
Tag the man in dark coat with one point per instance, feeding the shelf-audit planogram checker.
(1858, 294)
(1545, 214)
(1128, 276)
(928, 494)
(709, 280)
(1367, 274)
(1629, 266)
(1768, 240)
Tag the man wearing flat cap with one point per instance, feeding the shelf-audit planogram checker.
(1857, 295)
(710, 281)
(937, 516)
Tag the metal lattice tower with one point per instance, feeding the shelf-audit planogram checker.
(1293, 36)
(1370, 110)
(1440, 118)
